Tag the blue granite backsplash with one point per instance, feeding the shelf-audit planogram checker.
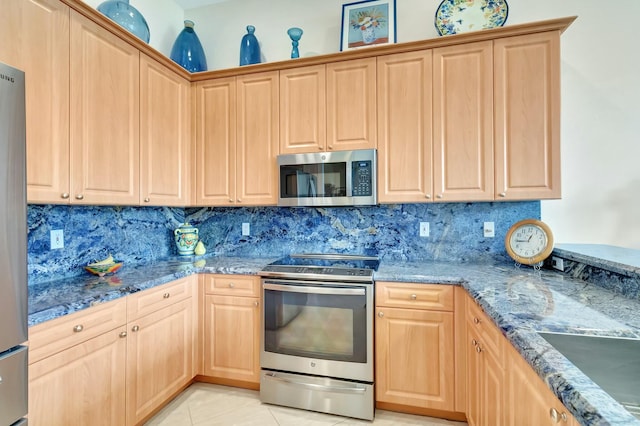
(145, 234)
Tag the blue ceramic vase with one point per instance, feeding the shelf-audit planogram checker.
(127, 16)
(187, 50)
(249, 48)
(295, 34)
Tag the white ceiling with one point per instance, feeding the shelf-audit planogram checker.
(190, 4)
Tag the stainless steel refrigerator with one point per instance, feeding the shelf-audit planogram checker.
(13, 248)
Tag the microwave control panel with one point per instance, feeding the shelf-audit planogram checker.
(361, 178)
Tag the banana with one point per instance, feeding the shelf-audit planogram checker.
(106, 261)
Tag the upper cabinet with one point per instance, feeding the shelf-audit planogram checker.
(42, 51)
(237, 140)
(165, 135)
(105, 115)
(328, 107)
(527, 116)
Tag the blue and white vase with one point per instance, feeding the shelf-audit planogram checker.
(187, 50)
(249, 48)
(186, 237)
(127, 16)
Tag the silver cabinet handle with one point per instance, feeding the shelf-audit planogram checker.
(135, 328)
(64, 195)
(414, 297)
(439, 196)
(122, 334)
(78, 328)
(554, 415)
(231, 200)
(166, 296)
(79, 197)
(239, 200)
(256, 304)
(503, 194)
(146, 200)
(231, 285)
(427, 196)
(381, 314)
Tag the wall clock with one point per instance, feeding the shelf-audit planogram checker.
(529, 242)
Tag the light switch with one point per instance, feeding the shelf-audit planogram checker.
(246, 228)
(489, 230)
(424, 229)
(57, 239)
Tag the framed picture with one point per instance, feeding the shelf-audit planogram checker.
(368, 23)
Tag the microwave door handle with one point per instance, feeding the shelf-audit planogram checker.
(316, 290)
(312, 191)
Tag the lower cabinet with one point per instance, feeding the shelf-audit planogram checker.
(415, 346)
(231, 324)
(115, 363)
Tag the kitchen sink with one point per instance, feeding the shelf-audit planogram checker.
(611, 362)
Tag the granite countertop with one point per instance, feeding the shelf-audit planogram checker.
(521, 301)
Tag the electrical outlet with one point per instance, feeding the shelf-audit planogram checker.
(424, 229)
(246, 229)
(489, 230)
(557, 263)
(57, 239)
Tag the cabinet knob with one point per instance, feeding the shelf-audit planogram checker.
(474, 342)
(239, 200)
(427, 196)
(231, 200)
(557, 416)
(122, 334)
(231, 285)
(320, 147)
(503, 194)
(78, 328)
(135, 328)
(414, 297)
(146, 200)
(64, 195)
(380, 314)
(478, 349)
(476, 320)
(439, 196)
(79, 197)
(256, 304)
(166, 295)
(330, 146)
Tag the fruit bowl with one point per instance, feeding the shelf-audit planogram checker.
(104, 269)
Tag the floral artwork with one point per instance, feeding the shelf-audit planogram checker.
(457, 16)
(368, 23)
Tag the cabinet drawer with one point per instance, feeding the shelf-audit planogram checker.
(61, 333)
(148, 301)
(236, 285)
(435, 297)
(483, 329)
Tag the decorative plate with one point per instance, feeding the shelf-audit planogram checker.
(102, 270)
(458, 16)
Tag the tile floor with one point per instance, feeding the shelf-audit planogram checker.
(206, 404)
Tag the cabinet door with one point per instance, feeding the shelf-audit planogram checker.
(105, 116)
(404, 127)
(165, 135)
(35, 36)
(351, 104)
(83, 385)
(159, 358)
(527, 116)
(232, 338)
(415, 358)
(303, 109)
(530, 400)
(257, 139)
(463, 122)
(216, 142)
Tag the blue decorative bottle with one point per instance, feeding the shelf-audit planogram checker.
(127, 16)
(295, 34)
(187, 50)
(249, 48)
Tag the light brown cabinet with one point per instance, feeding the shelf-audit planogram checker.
(415, 346)
(486, 376)
(462, 122)
(104, 116)
(77, 367)
(527, 116)
(237, 140)
(530, 402)
(42, 52)
(114, 363)
(165, 136)
(405, 127)
(231, 326)
(328, 107)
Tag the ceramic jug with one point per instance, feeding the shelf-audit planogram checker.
(186, 237)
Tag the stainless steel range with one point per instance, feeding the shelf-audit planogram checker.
(317, 339)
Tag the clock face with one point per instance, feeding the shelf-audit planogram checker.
(529, 241)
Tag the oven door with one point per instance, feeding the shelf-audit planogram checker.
(319, 328)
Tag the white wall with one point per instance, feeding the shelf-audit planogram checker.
(164, 17)
(600, 88)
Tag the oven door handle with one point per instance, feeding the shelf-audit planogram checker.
(315, 386)
(315, 290)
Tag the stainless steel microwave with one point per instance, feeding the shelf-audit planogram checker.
(340, 178)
